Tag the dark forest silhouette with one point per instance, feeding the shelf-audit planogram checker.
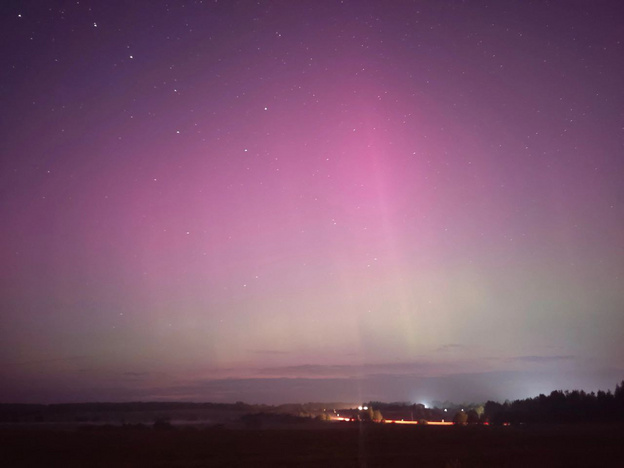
(561, 407)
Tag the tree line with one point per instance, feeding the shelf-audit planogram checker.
(560, 407)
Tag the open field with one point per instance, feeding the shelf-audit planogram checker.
(329, 444)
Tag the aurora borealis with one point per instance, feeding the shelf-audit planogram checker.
(278, 201)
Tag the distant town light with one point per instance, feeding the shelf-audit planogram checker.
(360, 408)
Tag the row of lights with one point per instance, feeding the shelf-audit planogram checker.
(366, 407)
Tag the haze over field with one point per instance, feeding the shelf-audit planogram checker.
(277, 201)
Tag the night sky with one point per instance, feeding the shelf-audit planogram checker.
(289, 201)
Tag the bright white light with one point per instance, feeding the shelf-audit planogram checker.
(366, 407)
(360, 408)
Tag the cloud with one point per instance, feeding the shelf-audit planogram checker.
(456, 386)
(421, 368)
(543, 359)
(468, 387)
(450, 348)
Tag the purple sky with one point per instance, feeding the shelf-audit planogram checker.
(278, 201)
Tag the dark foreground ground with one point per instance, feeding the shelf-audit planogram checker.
(329, 445)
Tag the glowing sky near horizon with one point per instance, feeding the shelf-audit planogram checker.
(284, 201)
